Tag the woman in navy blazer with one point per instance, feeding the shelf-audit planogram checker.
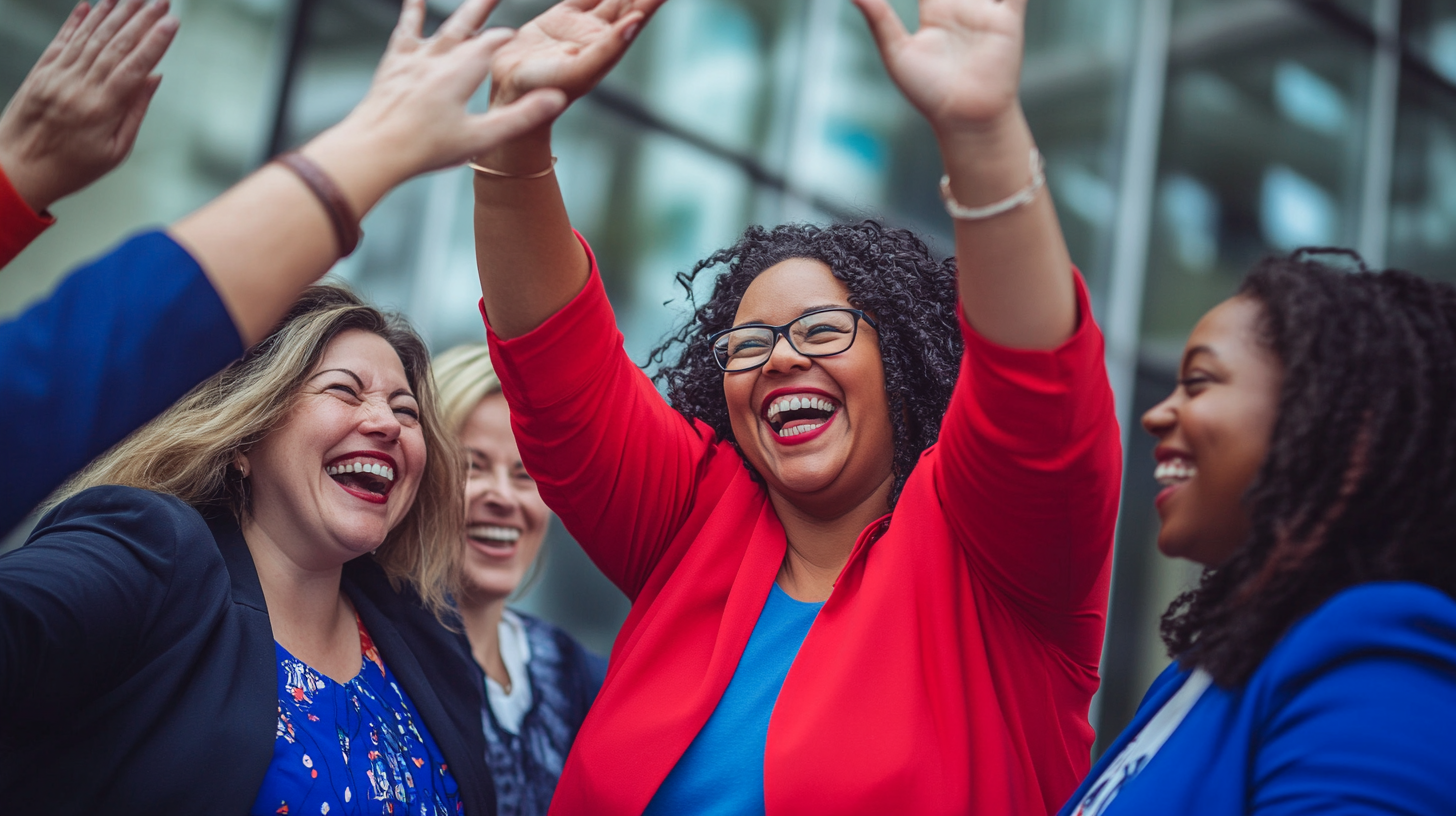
(235, 611)
(1308, 458)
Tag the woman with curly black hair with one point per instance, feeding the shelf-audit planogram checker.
(867, 541)
(1308, 457)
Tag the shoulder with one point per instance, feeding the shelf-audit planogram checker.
(149, 518)
(1384, 624)
(572, 661)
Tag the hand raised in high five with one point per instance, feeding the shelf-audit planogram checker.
(76, 115)
(416, 108)
(570, 46)
(963, 67)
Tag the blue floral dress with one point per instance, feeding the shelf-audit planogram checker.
(357, 748)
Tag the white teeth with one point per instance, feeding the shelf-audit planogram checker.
(382, 471)
(798, 404)
(1174, 471)
(491, 532)
(799, 429)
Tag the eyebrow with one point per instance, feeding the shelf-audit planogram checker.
(807, 310)
(403, 392)
(1195, 351)
(343, 370)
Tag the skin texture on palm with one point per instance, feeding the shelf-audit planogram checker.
(76, 115)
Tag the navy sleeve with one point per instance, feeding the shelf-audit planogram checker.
(77, 601)
(116, 344)
(1363, 718)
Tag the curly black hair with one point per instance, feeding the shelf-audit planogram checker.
(1360, 480)
(890, 273)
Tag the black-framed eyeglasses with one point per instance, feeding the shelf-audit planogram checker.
(821, 333)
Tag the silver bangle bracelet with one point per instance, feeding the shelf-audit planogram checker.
(1020, 198)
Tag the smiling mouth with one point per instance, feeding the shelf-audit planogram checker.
(1171, 472)
(363, 476)
(791, 416)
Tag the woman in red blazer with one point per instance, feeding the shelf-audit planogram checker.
(868, 542)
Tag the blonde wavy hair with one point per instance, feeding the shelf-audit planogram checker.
(464, 376)
(189, 451)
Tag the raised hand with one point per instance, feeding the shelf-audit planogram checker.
(963, 67)
(416, 106)
(76, 115)
(570, 46)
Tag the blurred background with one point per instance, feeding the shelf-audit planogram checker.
(1184, 139)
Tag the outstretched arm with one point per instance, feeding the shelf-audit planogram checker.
(268, 237)
(962, 69)
(530, 263)
(76, 115)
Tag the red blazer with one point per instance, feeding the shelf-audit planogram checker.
(19, 224)
(950, 671)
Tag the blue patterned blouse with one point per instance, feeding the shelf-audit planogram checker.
(357, 748)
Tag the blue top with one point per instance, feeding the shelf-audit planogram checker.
(565, 679)
(721, 773)
(117, 343)
(1352, 712)
(357, 748)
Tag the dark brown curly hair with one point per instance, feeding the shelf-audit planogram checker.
(1360, 480)
(890, 273)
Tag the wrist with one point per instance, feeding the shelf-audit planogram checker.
(987, 162)
(363, 164)
(524, 155)
(27, 185)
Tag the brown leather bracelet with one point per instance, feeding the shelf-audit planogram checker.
(341, 215)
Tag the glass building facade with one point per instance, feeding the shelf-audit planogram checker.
(1184, 140)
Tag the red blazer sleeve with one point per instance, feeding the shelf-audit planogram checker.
(1028, 468)
(19, 224)
(611, 457)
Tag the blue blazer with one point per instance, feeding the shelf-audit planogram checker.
(1352, 712)
(117, 343)
(138, 673)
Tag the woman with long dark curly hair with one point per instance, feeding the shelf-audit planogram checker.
(867, 538)
(1308, 457)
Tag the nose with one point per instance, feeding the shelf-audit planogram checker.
(783, 357)
(1160, 419)
(492, 486)
(379, 421)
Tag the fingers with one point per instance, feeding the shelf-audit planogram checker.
(131, 123)
(411, 24)
(466, 20)
(58, 44)
(77, 44)
(885, 25)
(127, 38)
(603, 53)
(500, 125)
(143, 59)
(107, 31)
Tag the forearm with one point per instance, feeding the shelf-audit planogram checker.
(531, 264)
(266, 239)
(1015, 272)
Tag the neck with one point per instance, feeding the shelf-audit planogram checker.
(482, 617)
(819, 544)
(308, 612)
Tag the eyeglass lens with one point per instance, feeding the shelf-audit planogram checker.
(814, 335)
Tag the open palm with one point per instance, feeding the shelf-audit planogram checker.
(962, 68)
(570, 46)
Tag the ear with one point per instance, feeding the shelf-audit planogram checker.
(240, 461)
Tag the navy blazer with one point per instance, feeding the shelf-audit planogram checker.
(117, 343)
(138, 672)
(1352, 712)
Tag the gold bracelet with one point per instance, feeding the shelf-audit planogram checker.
(489, 172)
